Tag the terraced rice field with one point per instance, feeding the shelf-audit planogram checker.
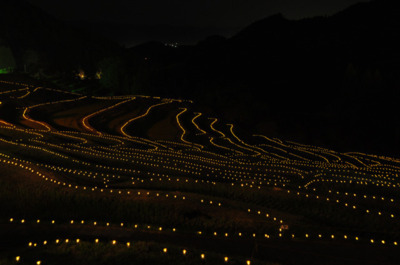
(147, 180)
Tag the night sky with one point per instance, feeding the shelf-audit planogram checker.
(198, 18)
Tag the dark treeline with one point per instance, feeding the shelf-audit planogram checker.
(41, 43)
(330, 81)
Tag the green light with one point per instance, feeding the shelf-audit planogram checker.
(5, 70)
(7, 61)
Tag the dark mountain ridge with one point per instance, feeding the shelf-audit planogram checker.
(324, 80)
(39, 39)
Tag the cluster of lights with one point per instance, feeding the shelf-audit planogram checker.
(127, 244)
(224, 160)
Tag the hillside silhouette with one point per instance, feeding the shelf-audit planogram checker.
(324, 80)
(40, 41)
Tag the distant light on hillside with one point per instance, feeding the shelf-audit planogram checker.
(172, 45)
(98, 74)
(81, 75)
